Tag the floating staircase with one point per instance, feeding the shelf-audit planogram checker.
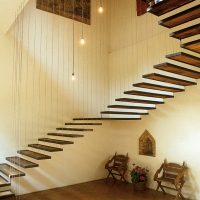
(168, 79)
(7, 172)
(192, 46)
(61, 142)
(185, 58)
(133, 107)
(6, 194)
(164, 86)
(148, 94)
(84, 124)
(175, 69)
(167, 6)
(4, 182)
(181, 18)
(34, 155)
(65, 135)
(45, 148)
(21, 162)
(144, 101)
(124, 113)
(158, 87)
(11, 172)
(5, 191)
(106, 118)
(74, 129)
(186, 32)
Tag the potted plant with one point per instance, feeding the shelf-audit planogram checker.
(139, 177)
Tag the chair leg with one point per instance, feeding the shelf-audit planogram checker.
(160, 186)
(109, 173)
(179, 194)
(112, 175)
(162, 189)
(122, 178)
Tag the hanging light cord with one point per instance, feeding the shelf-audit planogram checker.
(82, 19)
(73, 39)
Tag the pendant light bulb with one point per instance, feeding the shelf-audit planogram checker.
(82, 41)
(73, 77)
(100, 9)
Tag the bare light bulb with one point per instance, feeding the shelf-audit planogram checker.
(82, 41)
(73, 77)
(100, 9)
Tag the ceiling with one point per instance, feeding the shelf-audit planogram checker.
(8, 10)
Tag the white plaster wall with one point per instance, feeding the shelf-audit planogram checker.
(45, 97)
(136, 44)
(175, 127)
(8, 11)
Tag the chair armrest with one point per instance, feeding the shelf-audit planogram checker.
(108, 163)
(157, 173)
(179, 178)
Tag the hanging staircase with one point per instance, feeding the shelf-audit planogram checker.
(34, 155)
(45, 147)
(186, 32)
(175, 69)
(159, 87)
(185, 58)
(7, 172)
(148, 94)
(164, 86)
(181, 18)
(16, 163)
(192, 46)
(167, 6)
(105, 118)
(5, 191)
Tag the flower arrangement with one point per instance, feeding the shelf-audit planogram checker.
(138, 174)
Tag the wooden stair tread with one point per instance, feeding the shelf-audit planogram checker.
(105, 118)
(181, 18)
(168, 79)
(4, 182)
(185, 58)
(168, 67)
(192, 46)
(61, 142)
(158, 87)
(186, 32)
(131, 107)
(35, 155)
(21, 162)
(148, 94)
(87, 124)
(66, 135)
(74, 129)
(45, 148)
(6, 194)
(10, 171)
(123, 113)
(139, 101)
(167, 6)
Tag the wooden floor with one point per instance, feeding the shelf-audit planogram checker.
(96, 190)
